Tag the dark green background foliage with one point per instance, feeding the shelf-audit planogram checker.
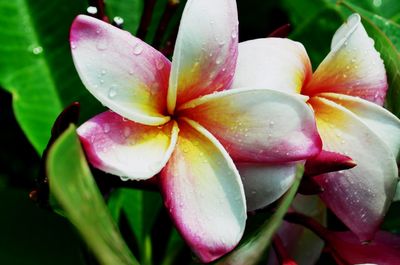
(38, 80)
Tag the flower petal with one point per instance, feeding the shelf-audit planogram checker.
(379, 120)
(383, 250)
(125, 148)
(264, 184)
(359, 196)
(353, 66)
(122, 72)
(203, 192)
(205, 52)
(272, 63)
(258, 125)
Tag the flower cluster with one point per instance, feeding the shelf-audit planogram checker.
(224, 124)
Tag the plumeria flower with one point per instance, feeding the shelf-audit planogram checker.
(346, 93)
(178, 120)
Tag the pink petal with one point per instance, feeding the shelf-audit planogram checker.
(122, 72)
(379, 120)
(258, 125)
(384, 249)
(125, 148)
(353, 66)
(203, 192)
(326, 162)
(205, 52)
(264, 183)
(272, 63)
(359, 196)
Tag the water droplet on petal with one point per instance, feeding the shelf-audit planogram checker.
(124, 178)
(112, 92)
(106, 128)
(234, 34)
(73, 45)
(127, 132)
(138, 49)
(159, 64)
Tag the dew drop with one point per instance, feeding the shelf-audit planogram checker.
(103, 72)
(118, 21)
(218, 61)
(112, 92)
(124, 178)
(138, 49)
(271, 123)
(127, 132)
(73, 45)
(159, 64)
(37, 50)
(344, 76)
(92, 10)
(234, 34)
(106, 128)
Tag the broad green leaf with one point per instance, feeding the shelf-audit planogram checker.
(325, 22)
(386, 34)
(389, 9)
(74, 187)
(310, 17)
(36, 65)
(251, 251)
(141, 208)
(129, 10)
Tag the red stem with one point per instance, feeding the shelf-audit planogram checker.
(301, 219)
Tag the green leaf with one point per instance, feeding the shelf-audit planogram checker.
(386, 34)
(141, 208)
(74, 187)
(251, 251)
(36, 65)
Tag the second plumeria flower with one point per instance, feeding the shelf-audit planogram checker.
(346, 93)
(179, 121)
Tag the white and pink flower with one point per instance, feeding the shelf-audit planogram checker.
(178, 120)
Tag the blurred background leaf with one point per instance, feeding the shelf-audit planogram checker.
(36, 65)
